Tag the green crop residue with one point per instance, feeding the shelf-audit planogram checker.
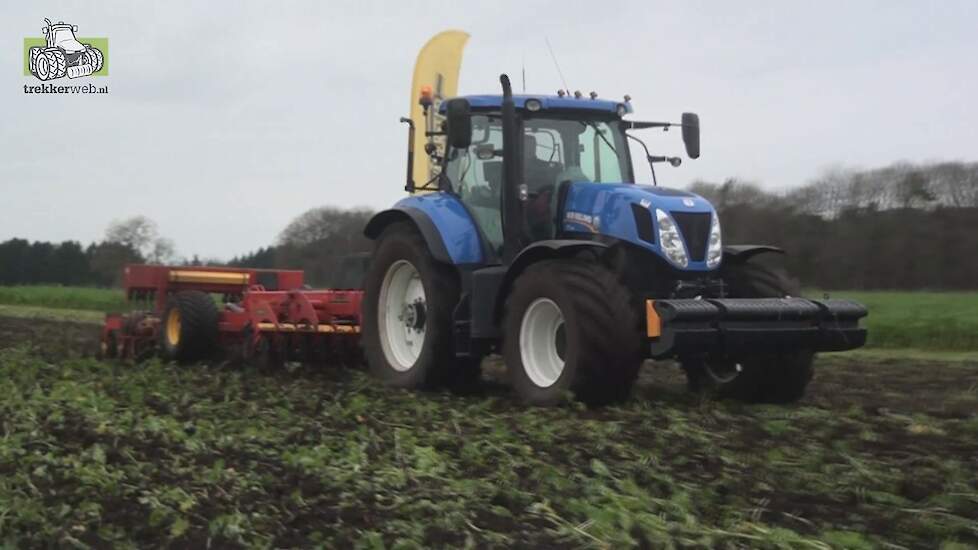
(98, 454)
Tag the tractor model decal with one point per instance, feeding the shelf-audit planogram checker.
(63, 55)
(589, 222)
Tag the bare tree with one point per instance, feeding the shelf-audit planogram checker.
(319, 239)
(324, 222)
(141, 234)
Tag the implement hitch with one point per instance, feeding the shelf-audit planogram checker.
(750, 325)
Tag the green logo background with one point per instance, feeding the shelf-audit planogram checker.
(101, 43)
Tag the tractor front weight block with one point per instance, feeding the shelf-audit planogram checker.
(732, 326)
(80, 70)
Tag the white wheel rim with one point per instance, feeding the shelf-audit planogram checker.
(402, 312)
(540, 335)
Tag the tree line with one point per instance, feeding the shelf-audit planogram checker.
(902, 227)
(316, 242)
(134, 240)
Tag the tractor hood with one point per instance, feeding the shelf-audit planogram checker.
(63, 36)
(627, 212)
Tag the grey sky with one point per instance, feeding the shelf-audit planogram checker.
(223, 123)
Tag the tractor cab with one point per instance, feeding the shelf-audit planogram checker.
(62, 35)
(566, 173)
(561, 140)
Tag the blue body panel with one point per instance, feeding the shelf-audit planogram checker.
(457, 229)
(494, 102)
(601, 208)
(605, 208)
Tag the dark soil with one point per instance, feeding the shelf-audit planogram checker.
(50, 338)
(101, 454)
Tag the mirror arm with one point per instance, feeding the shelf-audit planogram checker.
(639, 125)
(648, 156)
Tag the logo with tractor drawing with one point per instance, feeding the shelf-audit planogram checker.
(63, 54)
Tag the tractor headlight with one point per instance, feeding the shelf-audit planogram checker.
(714, 252)
(670, 240)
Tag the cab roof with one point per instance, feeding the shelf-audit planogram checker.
(490, 102)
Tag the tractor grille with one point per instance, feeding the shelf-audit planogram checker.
(695, 227)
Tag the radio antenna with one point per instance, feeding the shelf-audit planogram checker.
(557, 65)
(523, 69)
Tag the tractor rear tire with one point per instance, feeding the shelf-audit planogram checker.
(775, 377)
(570, 327)
(408, 303)
(189, 330)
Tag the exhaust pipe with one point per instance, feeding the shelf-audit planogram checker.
(512, 168)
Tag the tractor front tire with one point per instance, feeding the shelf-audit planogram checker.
(95, 57)
(189, 330)
(57, 64)
(407, 310)
(41, 66)
(779, 376)
(570, 327)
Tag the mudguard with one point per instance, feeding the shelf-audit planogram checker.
(444, 223)
(540, 250)
(744, 252)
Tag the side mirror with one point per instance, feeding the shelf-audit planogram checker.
(74, 28)
(458, 114)
(691, 134)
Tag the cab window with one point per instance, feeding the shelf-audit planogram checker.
(476, 175)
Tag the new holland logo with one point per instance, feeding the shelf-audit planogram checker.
(58, 53)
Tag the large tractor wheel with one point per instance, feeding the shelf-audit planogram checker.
(570, 327)
(775, 377)
(54, 65)
(95, 58)
(189, 329)
(32, 56)
(41, 67)
(407, 314)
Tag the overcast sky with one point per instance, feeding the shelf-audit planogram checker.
(224, 123)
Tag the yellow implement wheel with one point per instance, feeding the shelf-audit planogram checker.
(109, 348)
(188, 330)
(173, 325)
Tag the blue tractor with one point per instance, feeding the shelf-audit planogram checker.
(534, 242)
